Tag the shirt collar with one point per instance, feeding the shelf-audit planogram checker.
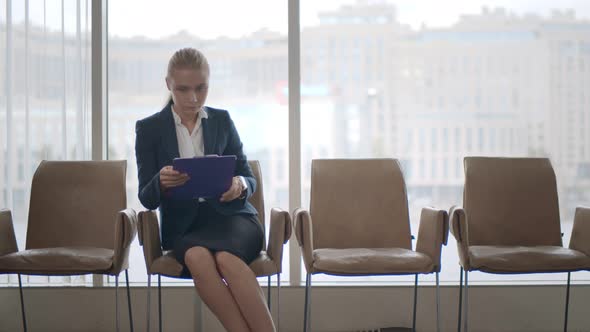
(201, 115)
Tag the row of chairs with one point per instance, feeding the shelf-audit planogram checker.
(357, 224)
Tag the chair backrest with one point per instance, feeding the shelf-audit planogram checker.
(511, 201)
(75, 203)
(359, 203)
(257, 199)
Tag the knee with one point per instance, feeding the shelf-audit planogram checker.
(197, 256)
(229, 264)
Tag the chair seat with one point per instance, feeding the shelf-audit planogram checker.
(371, 261)
(167, 265)
(58, 261)
(263, 265)
(518, 259)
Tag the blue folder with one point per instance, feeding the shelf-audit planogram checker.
(210, 176)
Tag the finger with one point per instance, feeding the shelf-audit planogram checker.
(178, 180)
(227, 196)
(173, 177)
(169, 172)
(232, 193)
(174, 183)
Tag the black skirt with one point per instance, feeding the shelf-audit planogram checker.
(240, 235)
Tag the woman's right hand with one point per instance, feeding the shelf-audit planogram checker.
(170, 178)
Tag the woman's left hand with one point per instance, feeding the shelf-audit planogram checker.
(234, 191)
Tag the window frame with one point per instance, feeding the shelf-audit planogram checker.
(100, 128)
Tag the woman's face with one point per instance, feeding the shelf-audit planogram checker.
(189, 88)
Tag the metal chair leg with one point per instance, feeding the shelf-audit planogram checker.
(465, 326)
(415, 303)
(160, 302)
(268, 294)
(129, 302)
(148, 309)
(199, 310)
(307, 311)
(437, 303)
(567, 301)
(278, 302)
(117, 303)
(22, 303)
(460, 299)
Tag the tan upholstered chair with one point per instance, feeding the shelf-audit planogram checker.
(358, 225)
(509, 223)
(78, 224)
(268, 263)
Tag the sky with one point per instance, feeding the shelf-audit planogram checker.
(238, 18)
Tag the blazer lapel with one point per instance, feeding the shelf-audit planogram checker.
(209, 133)
(169, 140)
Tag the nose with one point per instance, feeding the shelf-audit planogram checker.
(194, 97)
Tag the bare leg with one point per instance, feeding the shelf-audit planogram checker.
(246, 291)
(213, 290)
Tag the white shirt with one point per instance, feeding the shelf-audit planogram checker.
(190, 144)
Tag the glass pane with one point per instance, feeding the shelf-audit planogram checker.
(248, 60)
(430, 82)
(44, 101)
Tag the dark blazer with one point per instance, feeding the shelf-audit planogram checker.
(155, 147)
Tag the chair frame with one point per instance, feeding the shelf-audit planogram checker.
(287, 235)
(117, 323)
(160, 322)
(128, 214)
(300, 214)
(456, 213)
(307, 307)
(465, 285)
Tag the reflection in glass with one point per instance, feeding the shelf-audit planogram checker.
(492, 81)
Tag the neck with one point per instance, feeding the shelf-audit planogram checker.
(186, 118)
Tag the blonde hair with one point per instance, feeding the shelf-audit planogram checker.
(187, 58)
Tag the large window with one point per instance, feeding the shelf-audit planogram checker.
(248, 59)
(430, 82)
(426, 82)
(44, 101)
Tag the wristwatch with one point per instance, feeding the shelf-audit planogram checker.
(244, 185)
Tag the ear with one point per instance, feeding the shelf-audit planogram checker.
(168, 84)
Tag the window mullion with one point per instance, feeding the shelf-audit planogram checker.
(294, 57)
(99, 89)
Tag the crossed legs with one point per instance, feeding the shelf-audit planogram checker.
(230, 289)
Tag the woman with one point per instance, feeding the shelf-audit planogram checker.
(214, 239)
